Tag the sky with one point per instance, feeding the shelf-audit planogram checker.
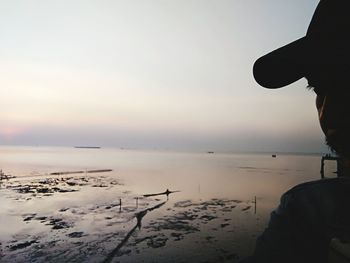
(156, 74)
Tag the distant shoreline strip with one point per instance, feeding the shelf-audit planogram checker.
(80, 172)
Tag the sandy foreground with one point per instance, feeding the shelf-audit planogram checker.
(95, 218)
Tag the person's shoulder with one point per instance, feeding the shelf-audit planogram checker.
(323, 191)
(320, 194)
(321, 184)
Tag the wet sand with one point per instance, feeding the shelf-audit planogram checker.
(54, 219)
(56, 211)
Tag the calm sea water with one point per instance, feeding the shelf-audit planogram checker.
(199, 177)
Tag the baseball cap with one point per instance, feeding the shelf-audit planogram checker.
(324, 50)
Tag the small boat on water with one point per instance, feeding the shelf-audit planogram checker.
(274, 155)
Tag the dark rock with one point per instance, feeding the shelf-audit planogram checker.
(22, 245)
(157, 242)
(208, 217)
(75, 234)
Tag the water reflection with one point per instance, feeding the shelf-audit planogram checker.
(223, 203)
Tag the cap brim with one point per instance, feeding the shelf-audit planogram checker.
(282, 66)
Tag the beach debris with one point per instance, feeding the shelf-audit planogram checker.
(49, 186)
(5, 176)
(40, 189)
(166, 192)
(246, 208)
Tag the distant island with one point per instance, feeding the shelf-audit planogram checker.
(88, 147)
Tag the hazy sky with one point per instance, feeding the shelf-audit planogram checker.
(151, 74)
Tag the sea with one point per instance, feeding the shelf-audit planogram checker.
(129, 205)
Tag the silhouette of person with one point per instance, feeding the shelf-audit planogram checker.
(311, 215)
